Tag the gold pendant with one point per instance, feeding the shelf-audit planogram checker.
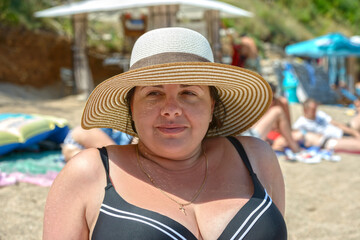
(181, 208)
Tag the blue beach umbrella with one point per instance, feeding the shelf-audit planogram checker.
(330, 45)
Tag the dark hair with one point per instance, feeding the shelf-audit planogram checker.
(128, 98)
(273, 87)
(219, 114)
(218, 118)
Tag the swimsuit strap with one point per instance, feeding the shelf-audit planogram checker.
(239, 147)
(105, 161)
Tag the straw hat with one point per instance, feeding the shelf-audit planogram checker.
(179, 56)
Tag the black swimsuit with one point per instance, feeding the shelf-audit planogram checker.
(259, 218)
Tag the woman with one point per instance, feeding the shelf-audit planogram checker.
(184, 179)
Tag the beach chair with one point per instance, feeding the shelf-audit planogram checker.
(312, 82)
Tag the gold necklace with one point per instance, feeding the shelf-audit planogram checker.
(181, 205)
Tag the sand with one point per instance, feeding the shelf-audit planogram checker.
(322, 200)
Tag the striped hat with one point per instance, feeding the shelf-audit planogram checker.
(179, 56)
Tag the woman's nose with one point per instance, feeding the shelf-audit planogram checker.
(171, 108)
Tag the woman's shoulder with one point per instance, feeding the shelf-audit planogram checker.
(255, 148)
(83, 168)
(90, 162)
(248, 142)
(259, 151)
(260, 154)
(262, 158)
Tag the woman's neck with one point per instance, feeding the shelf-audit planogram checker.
(173, 164)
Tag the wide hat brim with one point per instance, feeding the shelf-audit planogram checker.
(245, 94)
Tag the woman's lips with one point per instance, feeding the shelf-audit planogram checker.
(171, 129)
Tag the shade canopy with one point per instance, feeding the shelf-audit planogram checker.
(186, 7)
(330, 45)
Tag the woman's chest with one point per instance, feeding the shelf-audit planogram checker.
(206, 215)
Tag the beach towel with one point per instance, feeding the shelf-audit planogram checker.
(38, 168)
(310, 155)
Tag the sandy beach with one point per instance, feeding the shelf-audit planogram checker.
(322, 200)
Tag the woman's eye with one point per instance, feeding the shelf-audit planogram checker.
(153, 93)
(190, 93)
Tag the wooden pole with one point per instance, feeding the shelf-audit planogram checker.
(212, 18)
(162, 16)
(351, 73)
(83, 79)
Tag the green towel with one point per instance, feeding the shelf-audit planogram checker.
(33, 163)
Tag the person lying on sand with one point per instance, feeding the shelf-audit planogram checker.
(317, 129)
(320, 133)
(319, 122)
(78, 139)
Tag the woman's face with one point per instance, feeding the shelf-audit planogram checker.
(172, 118)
